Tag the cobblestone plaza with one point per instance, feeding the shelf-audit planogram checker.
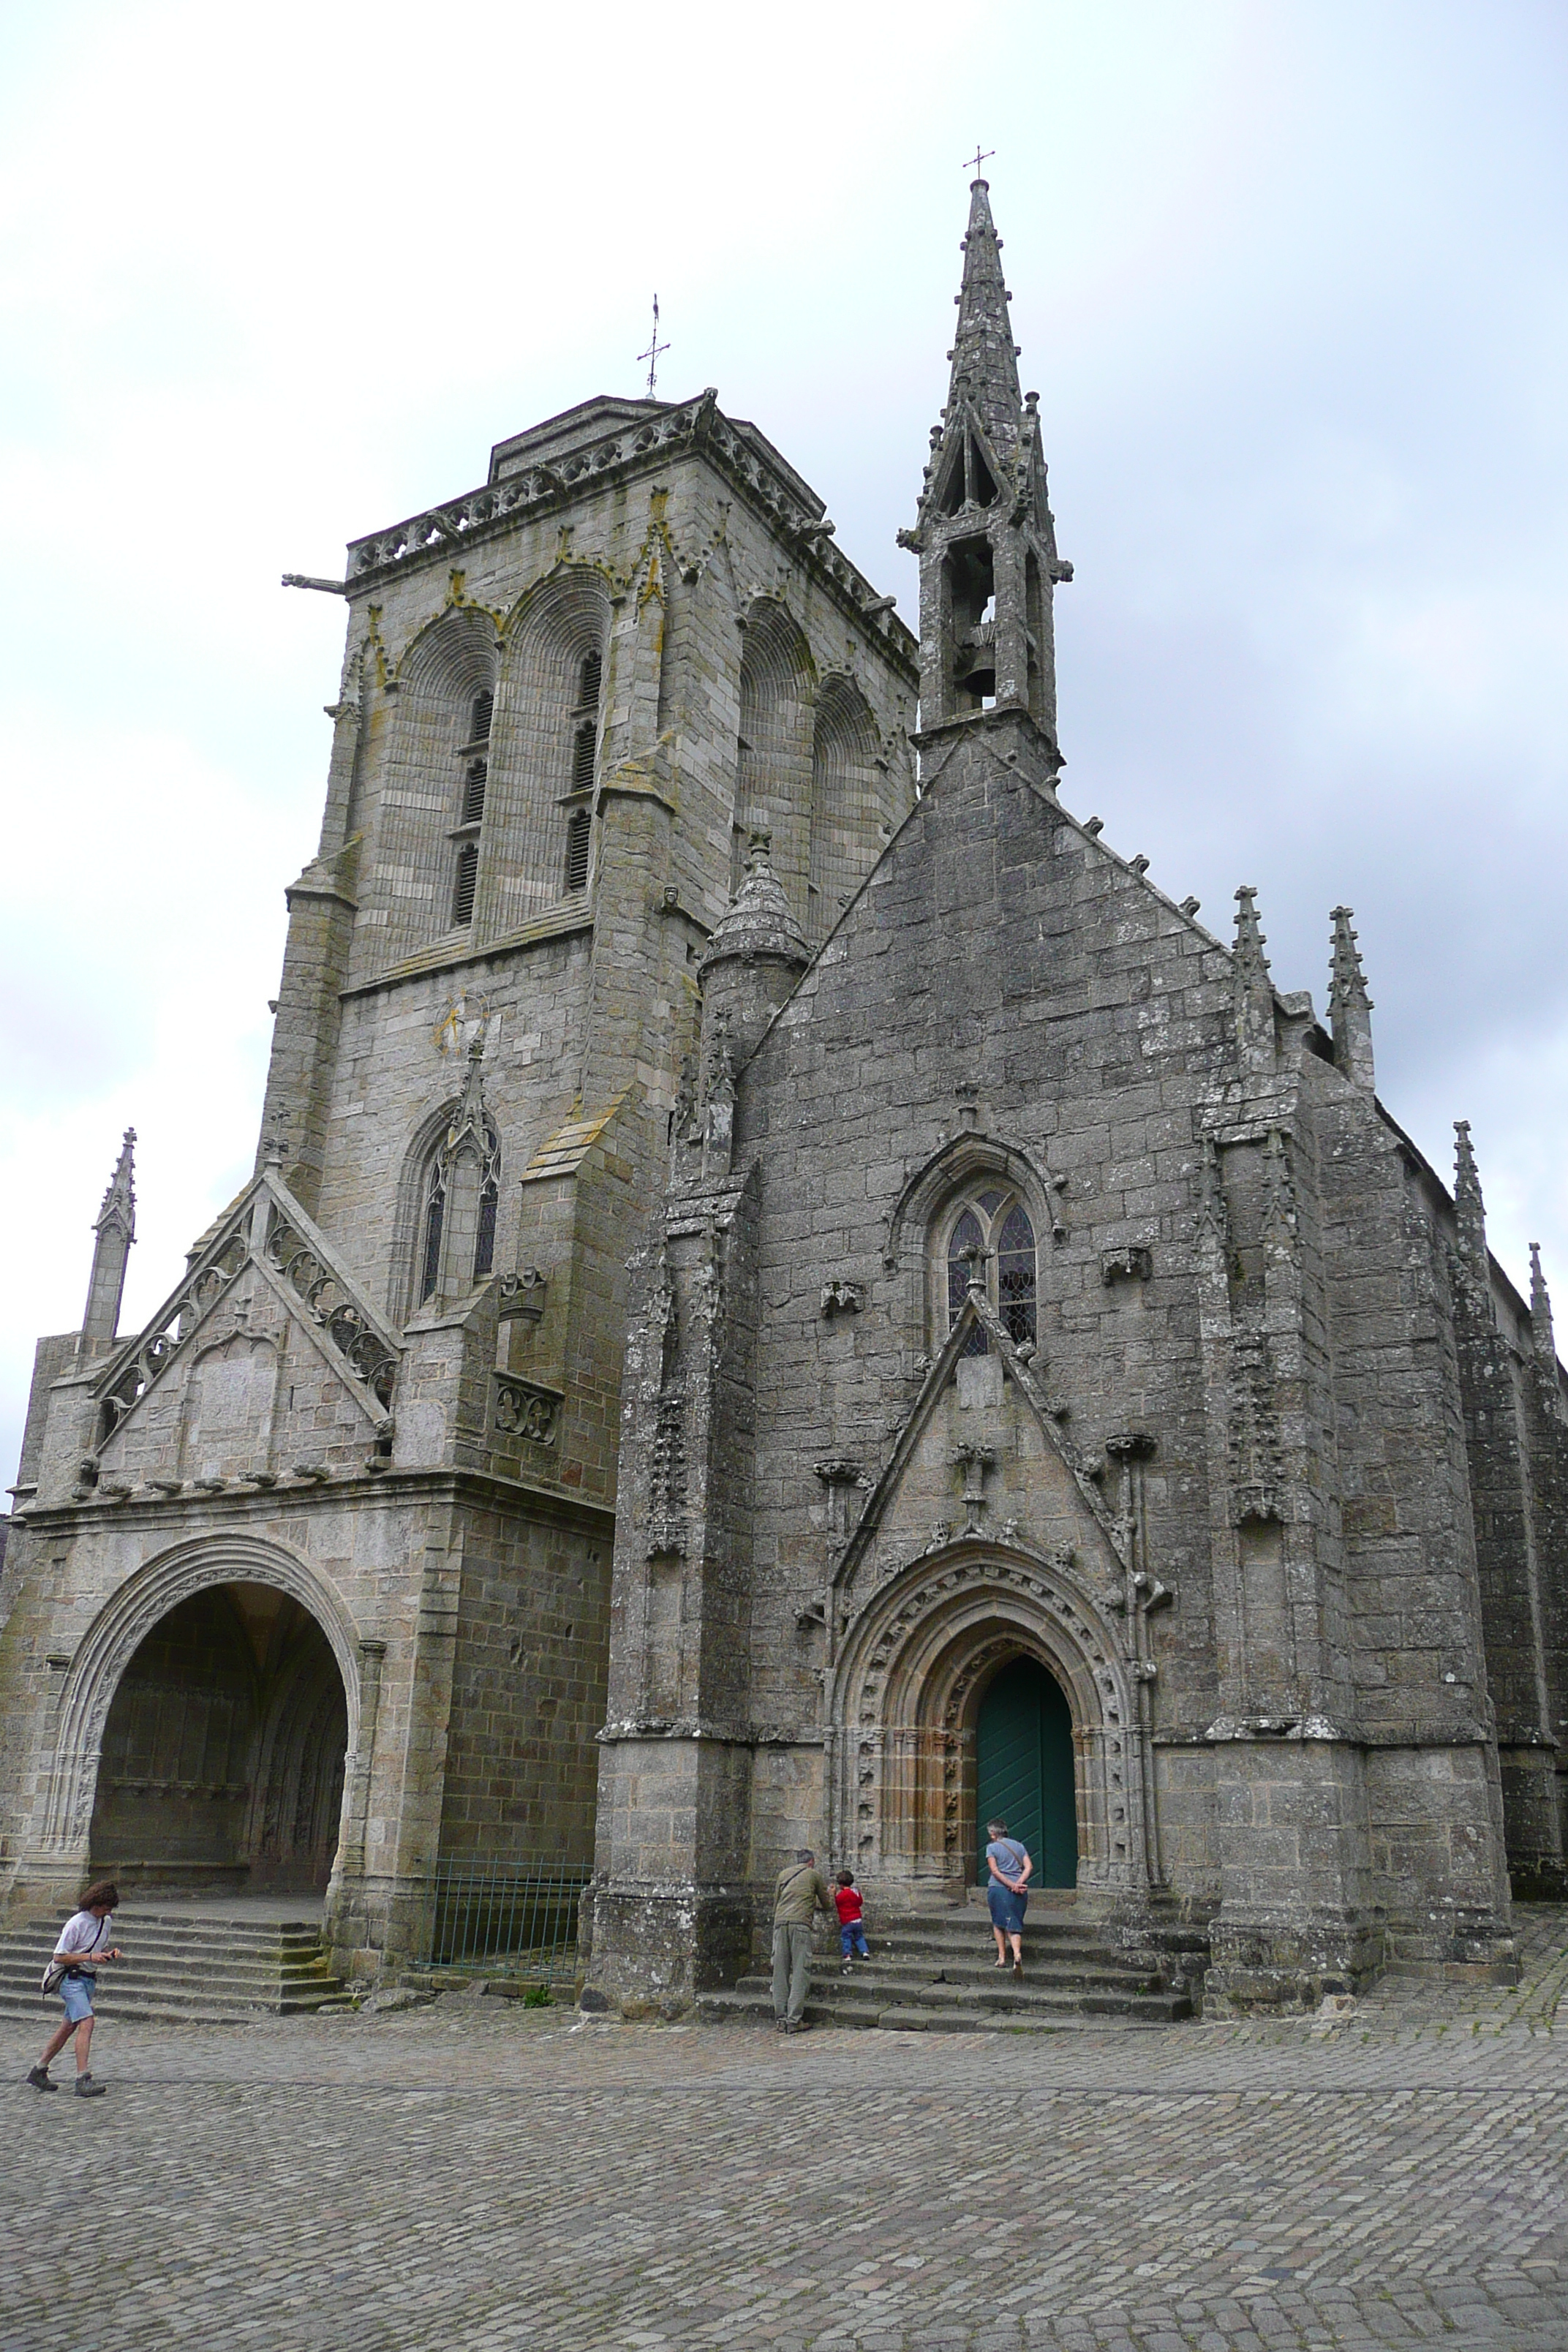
(474, 2172)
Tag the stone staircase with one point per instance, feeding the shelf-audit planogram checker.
(932, 1972)
(183, 1966)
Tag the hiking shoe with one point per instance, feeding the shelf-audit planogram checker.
(39, 2078)
(85, 2088)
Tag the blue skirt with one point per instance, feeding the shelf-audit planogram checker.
(1008, 1909)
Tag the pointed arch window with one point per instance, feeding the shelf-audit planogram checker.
(992, 1232)
(433, 1214)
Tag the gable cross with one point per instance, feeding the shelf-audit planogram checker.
(981, 155)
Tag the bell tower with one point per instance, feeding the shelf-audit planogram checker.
(984, 536)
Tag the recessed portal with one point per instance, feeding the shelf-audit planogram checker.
(1023, 1755)
(223, 1753)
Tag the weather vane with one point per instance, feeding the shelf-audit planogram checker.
(653, 350)
(979, 157)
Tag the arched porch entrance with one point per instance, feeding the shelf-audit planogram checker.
(224, 1748)
(909, 1723)
(1023, 1770)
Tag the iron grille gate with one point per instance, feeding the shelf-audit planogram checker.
(518, 1919)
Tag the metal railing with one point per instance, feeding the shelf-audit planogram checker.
(517, 1919)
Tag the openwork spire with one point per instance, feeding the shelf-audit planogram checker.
(1350, 1006)
(984, 356)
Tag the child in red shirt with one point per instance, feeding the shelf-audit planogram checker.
(851, 1930)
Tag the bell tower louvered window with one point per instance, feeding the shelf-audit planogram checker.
(466, 876)
(584, 722)
(579, 841)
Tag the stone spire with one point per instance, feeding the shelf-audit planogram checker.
(984, 534)
(984, 356)
(115, 1226)
(1350, 1006)
(1540, 1309)
(1254, 990)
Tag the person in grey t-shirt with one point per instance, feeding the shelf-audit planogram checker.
(83, 1944)
(799, 1895)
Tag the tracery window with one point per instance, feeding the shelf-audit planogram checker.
(992, 1233)
(432, 1215)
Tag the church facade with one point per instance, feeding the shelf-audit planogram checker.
(783, 1305)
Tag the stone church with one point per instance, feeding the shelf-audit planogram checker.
(790, 1295)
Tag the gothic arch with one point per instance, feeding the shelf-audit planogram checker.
(421, 1145)
(961, 1164)
(124, 1622)
(846, 800)
(447, 667)
(905, 1692)
(558, 623)
(773, 758)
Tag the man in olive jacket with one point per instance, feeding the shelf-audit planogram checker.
(799, 1895)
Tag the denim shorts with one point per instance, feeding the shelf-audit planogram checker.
(76, 1991)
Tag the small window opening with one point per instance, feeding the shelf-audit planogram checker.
(982, 489)
(953, 492)
(479, 718)
(583, 757)
(590, 677)
(463, 886)
(972, 588)
(578, 838)
(475, 777)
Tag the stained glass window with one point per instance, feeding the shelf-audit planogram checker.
(1015, 1276)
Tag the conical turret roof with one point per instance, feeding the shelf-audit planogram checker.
(758, 920)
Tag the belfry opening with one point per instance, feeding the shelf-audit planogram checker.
(1023, 1770)
(222, 1767)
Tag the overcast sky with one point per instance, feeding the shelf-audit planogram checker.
(1290, 281)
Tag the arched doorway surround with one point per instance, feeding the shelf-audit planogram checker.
(904, 1695)
(118, 1632)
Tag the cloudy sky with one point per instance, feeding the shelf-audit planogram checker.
(1292, 282)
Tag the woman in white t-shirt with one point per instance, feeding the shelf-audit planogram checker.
(84, 1946)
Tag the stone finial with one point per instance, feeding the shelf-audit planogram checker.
(1250, 971)
(1540, 1309)
(1469, 1206)
(1350, 1006)
(120, 1199)
(468, 1119)
(115, 1227)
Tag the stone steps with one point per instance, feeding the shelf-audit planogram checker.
(208, 1969)
(932, 1975)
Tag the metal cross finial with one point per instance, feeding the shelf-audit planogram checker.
(654, 349)
(972, 163)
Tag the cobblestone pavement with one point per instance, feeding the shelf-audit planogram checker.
(474, 2174)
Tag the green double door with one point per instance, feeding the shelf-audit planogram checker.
(1024, 1752)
